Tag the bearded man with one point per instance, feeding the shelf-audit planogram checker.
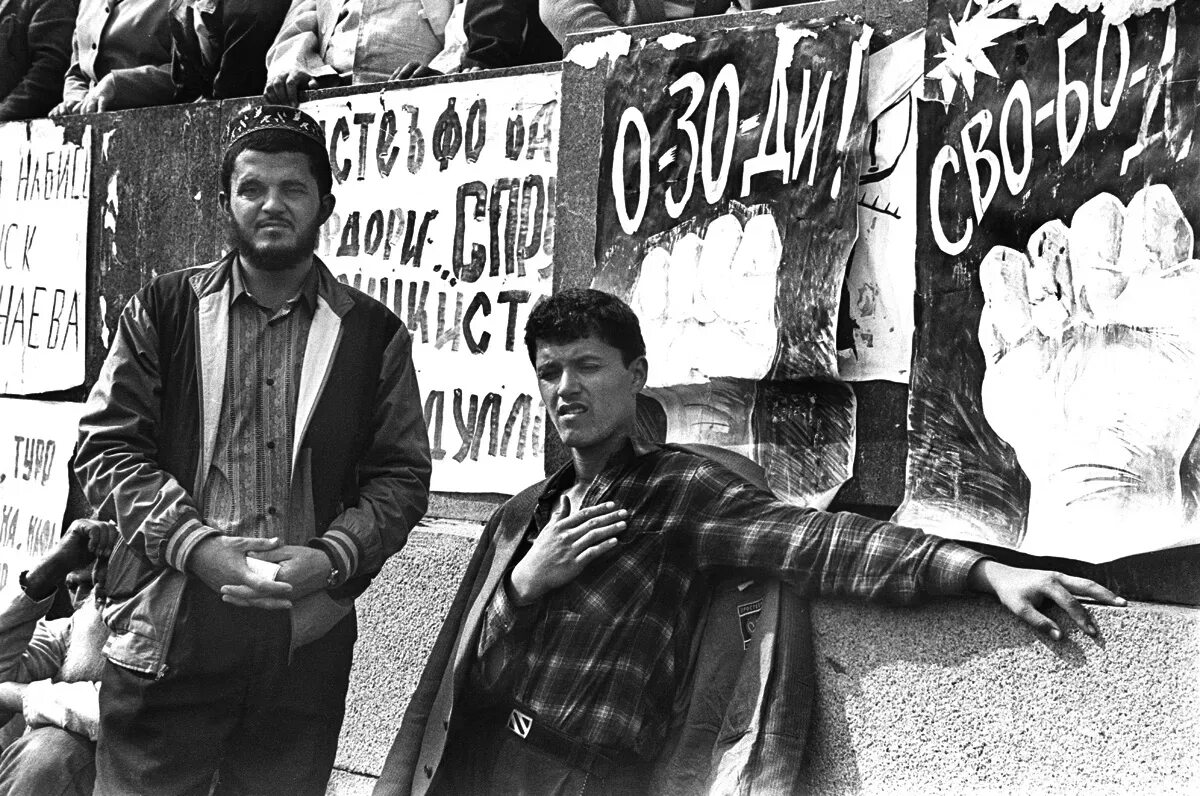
(257, 437)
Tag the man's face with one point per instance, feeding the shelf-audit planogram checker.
(275, 208)
(590, 393)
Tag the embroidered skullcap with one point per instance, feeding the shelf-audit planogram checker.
(275, 117)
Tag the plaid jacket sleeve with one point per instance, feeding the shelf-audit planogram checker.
(821, 553)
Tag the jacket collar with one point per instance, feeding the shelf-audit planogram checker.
(214, 276)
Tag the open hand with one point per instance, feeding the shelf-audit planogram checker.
(565, 547)
(1025, 591)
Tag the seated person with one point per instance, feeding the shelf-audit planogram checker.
(219, 47)
(35, 48)
(50, 669)
(327, 43)
(559, 664)
(120, 57)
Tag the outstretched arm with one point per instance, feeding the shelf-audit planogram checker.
(849, 555)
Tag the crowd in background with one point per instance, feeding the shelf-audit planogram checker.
(61, 57)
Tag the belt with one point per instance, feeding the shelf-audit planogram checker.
(522, 723)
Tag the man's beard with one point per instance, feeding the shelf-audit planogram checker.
(274, 257)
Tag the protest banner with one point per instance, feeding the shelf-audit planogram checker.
(876, 328)
(37, 439)
(1056, 390)
(727, 189)
(445, 213)
(44, 184)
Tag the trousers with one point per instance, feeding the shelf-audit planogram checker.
(48, 761)
(230, 715)
(483, 758)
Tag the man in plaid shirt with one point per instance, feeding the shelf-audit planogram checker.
(567, 668)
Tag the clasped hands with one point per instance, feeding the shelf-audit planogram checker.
(222, 563)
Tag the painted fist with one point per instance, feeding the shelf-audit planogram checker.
(707, 304)
(1092, 347)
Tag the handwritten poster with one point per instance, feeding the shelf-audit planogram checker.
(876, 342)
(727, 197)
(37, 439)
(1055, 401)
(445, 213)
(43, 257)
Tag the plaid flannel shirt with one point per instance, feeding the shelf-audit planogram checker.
(601, 659)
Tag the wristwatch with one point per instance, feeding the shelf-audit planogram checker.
(334, 573)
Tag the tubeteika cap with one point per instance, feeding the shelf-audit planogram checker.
(274, 117)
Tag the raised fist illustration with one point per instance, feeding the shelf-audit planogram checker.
(707, 304)
(1092, 346)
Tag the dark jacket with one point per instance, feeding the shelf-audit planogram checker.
(504, 33)
(229, 59)
(129, 44)
(744, 712)
(35, 49)
(360, 460)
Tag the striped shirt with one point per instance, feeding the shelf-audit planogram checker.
(601, 659)
(248, 483)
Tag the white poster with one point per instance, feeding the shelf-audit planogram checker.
(445, 213)
(43, 257)
(37, 439)
(881, 278)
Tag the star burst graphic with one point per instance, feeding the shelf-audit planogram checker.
(963, 53)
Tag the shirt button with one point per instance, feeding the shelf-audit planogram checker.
(271, 445)
(270, 382)
(271, 510)
(93, 45)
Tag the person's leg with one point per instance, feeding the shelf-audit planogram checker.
(167, 736)
(48, 761)
(289, 739)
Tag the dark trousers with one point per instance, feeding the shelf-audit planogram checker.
(228, 705)
(48, 761)
(484, 758)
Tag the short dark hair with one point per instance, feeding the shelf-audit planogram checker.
(576, 313)
(273, 140)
